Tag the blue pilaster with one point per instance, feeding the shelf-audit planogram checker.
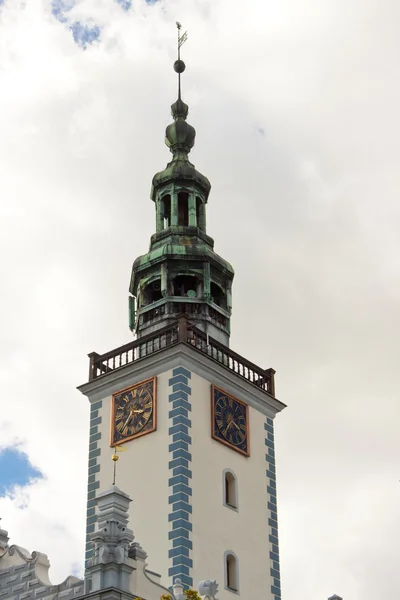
(272, 510)
(94, 468)
(180, 497)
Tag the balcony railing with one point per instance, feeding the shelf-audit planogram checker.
(124, 355)
(181, 331)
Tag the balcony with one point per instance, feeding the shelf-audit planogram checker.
(181, 331)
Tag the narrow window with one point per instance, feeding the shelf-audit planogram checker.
(167, 211)
(230, 489)
(183, 209)
(231, 572)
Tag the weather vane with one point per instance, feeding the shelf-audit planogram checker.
(115, 458)
(179, 65)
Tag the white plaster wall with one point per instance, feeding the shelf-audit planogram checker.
(142, 472)
(217, 528)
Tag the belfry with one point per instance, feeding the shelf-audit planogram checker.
(181, 273)
(195, 417)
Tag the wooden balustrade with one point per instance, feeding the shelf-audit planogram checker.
(181, 331)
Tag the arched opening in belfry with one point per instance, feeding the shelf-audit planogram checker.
(152, 292)
(218, 295)
(185, 285)
(183, 208)
(167, 211)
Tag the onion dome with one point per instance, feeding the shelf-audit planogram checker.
(180, 136)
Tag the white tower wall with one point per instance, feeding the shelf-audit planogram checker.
(175, 475)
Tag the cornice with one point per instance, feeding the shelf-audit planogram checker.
(174, 356)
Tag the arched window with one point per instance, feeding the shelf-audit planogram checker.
(151, 293)
(230, 489)
(231, 571)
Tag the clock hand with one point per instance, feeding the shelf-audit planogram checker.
(128, 419)
(227, 427)
(235, 424)
(139, 411)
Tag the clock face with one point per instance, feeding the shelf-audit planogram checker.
(230, 422)
(133, 412)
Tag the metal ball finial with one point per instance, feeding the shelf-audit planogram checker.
(179, 66)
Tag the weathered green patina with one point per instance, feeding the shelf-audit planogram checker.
(181, 272)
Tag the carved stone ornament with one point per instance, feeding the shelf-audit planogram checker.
(208, 589)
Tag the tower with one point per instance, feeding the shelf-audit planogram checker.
(195, 417)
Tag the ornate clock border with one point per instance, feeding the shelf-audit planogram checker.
(232, 429)
(133, 411)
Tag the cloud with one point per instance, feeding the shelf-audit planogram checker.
(307, 213)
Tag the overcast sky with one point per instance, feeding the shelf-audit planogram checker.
(296, 107)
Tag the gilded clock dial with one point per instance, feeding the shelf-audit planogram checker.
(133, 412)
(230, 421)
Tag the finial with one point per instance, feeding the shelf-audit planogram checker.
(115, 458)
(179, 65)
(178, 590)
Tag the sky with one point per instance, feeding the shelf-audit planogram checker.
(296, 111)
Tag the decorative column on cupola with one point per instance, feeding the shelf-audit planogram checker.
(181, 273)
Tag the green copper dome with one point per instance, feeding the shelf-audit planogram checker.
(180, 136)
(182, 171)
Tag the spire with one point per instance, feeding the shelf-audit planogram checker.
(181, 273)
(179, 65)
(180, 138)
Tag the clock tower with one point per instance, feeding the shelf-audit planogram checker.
(195, 417)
